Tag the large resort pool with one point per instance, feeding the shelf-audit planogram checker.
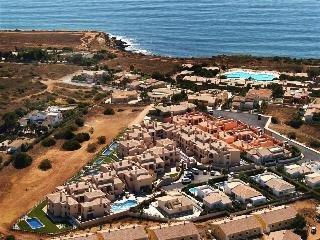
(256, 76)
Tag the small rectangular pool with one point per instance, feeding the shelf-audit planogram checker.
(34, 223)
(123, 205)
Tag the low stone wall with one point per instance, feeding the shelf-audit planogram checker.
(148, 217)
(210, 216)
(102, 220)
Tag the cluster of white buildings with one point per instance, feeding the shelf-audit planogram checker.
(51, 117)
(308, 171)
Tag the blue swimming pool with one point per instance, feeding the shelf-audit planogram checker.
(123, 205)
(109, 149)
(253, 75)
(193, 191)
(34, 223)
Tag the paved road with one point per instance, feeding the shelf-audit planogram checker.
(252, 120)
(197, 179)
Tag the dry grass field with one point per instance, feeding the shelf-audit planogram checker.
(21, 189)
(304, 134)
(9, 41)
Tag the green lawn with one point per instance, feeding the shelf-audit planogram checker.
(49, 226)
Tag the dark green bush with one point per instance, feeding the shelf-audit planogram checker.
(48, 142)
(21, 160)
(274, 120)
(79, 121)
(92, 147)
(71, 145)
(292, 135)
(102, 139)
(45, 165)
(82, 137)
(65, 133)
(315, 143)
(108, 111)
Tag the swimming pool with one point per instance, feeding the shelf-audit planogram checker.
(123, 205)
(193, 191)
(34, 223)
(248, 74)
(109, 149)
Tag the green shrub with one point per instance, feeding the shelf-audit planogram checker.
(82, 137)
(10, 237)
(296, 123)
(48, 142)
(65, 133)
(315, 143)
(21, 160)
(292, 135)
(108, 111)
(45, 165)
(92, 147)
(71, 145)
(79, 121)
(274, 120)
(102, 139)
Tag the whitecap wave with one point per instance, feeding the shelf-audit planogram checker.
(133, 46)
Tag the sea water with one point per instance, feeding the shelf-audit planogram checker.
(182, 27)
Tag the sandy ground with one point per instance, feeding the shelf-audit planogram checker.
(44, 39)
(307, 208)
(20, 190)
(304, 134)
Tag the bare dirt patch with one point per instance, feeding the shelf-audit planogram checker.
(21, 189)
(9, 41)
(21, 81)
(304, 134)
(307, 208)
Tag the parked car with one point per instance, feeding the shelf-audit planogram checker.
(195, 171)
(213, 173)
(189, 175)
(185, 180)
(313, 230)
(204, 172)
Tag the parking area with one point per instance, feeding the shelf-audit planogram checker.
(201, 177)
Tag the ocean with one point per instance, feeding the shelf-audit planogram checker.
(182, 28)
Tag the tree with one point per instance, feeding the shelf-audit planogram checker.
(296, 122)
(65, 133)
(79, 121)
(82, 137)
(21, 160)
(92, 147)
(71, 145)
(316, 117)
(292, 135)
(314, 143)
(45, 165)
(48, 142)
(102, 139)
(108, 111)
(10, 120)
(274, 120)
(263, 107)
(277, 90)
(10, 237)
(299, 223)
(179, 97)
